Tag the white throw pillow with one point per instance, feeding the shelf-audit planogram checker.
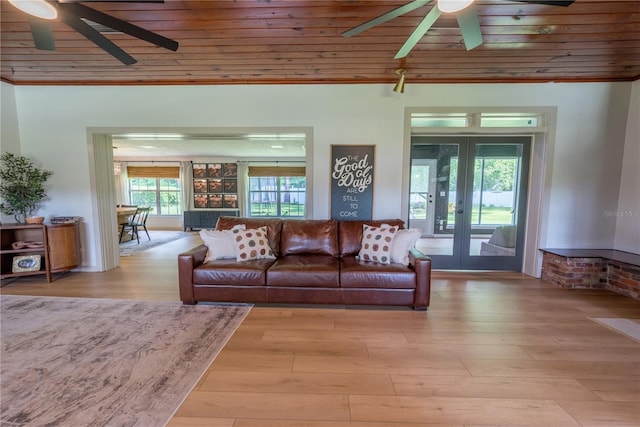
(376, 243)
(252, 244)
(220, 243)
(404, 240)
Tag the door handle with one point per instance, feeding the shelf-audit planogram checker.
(460, 211)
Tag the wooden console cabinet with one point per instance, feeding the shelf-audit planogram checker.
(60, 250)
(205, 218)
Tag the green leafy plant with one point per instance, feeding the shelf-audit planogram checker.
(21, 186)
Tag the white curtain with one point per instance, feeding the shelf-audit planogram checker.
(243, 188)
(186, 175)
(123, 190)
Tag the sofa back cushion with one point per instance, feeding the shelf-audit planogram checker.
(309, 237)
(350, 234)
(274, 228)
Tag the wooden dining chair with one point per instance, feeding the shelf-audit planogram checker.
(137, 221)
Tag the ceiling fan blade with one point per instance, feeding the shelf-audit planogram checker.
(548, 2)
(386, 17)
(419, 32)
(82, 11)
(85, 29)
(42, 34)
(470, 26)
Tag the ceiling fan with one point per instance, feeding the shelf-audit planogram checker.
(83, 19)
(464, 11)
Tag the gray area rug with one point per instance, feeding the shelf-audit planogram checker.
(158, 237)
(96, 362)
(628, 327)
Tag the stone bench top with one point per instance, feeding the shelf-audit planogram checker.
(610, 254)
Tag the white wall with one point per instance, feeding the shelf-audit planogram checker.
(587, 147)
(627, 212)
(9, 133)
(587, 158)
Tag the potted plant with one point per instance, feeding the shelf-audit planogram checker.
(22, 187)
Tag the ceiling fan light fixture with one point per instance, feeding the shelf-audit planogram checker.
(453, 6)
(399, 87)
(38, 8)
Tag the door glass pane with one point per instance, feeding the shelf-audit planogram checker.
(419, 192)
(496, 178)
(421, 196)
(434, 171)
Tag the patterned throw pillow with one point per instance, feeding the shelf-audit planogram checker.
(252, 244)
(376, 243)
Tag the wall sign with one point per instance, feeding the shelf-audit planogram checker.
(352, 182)
(215, 185)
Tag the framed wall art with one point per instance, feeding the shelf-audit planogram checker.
(200, 201)
(199, 170)
(215, 185)
(230, 185)
(230, 201)
(229, 170)
(214, 170)
(215, 201)
(352, 168)
(199, 185)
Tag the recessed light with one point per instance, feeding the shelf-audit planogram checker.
(147, 146)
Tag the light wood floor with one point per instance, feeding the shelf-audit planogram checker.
(494, 349)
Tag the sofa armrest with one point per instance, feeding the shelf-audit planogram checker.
(421, 264)
(187, 262)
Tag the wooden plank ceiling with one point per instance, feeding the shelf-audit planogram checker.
(282, 41)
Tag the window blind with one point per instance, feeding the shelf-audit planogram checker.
(277, 171)
(153, 171)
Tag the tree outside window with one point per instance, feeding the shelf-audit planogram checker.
(164, 195)
(277, 196)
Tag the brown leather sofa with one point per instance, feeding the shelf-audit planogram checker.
(315, 263)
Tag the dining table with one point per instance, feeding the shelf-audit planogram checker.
(124, 213)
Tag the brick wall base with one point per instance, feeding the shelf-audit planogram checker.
(591, 273)
(624, 279)
(567, 272)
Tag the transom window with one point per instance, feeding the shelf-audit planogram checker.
(476, 120)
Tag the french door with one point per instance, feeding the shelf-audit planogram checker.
(468, 196)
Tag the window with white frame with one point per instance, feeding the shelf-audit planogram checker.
(277, 191)
(156, 187)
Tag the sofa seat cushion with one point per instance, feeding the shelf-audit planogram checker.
(362, 274)
(320, 271)
(231, 272)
